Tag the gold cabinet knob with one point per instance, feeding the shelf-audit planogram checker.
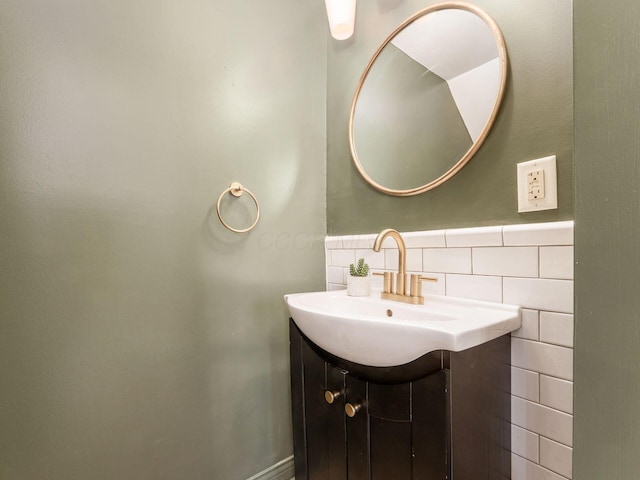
(331, 397)
(351, 410)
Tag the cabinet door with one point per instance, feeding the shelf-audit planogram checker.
(336, 427)
(324, 422)
(390, 442)
(379, 440)
(357, 431)
(431, 427)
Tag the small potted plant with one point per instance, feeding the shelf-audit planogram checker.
(359, 281)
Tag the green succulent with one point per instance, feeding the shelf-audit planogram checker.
(362, 270)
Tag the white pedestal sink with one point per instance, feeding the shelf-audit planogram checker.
(382, 333)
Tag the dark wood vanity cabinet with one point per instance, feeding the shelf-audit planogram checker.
(444, 416)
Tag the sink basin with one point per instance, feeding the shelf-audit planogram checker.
(382, 333)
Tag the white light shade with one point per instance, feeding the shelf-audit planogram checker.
(341, 15)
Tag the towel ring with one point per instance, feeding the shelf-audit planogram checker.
(236, 189)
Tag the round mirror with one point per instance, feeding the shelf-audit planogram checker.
(428, 98)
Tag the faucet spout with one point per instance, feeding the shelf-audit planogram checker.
(401, 288)
(402, 250)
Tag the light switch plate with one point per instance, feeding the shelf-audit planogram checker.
(528, 202)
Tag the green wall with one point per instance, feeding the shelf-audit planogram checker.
(607, 175)
(535, 121)
(139, 338)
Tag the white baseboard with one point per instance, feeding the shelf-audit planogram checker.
(283, 470)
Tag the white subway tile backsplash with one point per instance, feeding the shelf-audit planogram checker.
(556, 328)
(506, 261)
(556, 393)
(539, 293)
(556, 262)
(342, 258)
(523, 469)
(528, 265)
(447, 260)
(335, 275)
(391, 259)
(525, 443)
(540, 357)
(332, 242)
(413, 259)
(542, 420)
(475, 286)
(432, 239)
(525, 384)
(434, 288)
(358, 241)
(474, 237)
(530, 325)
(556, 457)
(389, 242)
(377, 282)
(375, 260)
(555, 233)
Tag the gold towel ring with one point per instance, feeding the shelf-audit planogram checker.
(236, 189)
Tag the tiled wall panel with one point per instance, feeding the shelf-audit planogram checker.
(527, 265)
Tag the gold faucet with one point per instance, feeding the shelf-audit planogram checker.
(401, 293)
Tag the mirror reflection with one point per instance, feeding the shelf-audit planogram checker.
(427, 99)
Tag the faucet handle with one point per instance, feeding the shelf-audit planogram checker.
(387, 286)
(429, 279)
(416, 283)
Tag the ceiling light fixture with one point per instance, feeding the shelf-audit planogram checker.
(341, 15)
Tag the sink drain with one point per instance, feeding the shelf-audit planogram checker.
(389, 313)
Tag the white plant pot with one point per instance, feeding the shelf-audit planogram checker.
(358, 286)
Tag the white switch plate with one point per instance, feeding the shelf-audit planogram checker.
(550, 185)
